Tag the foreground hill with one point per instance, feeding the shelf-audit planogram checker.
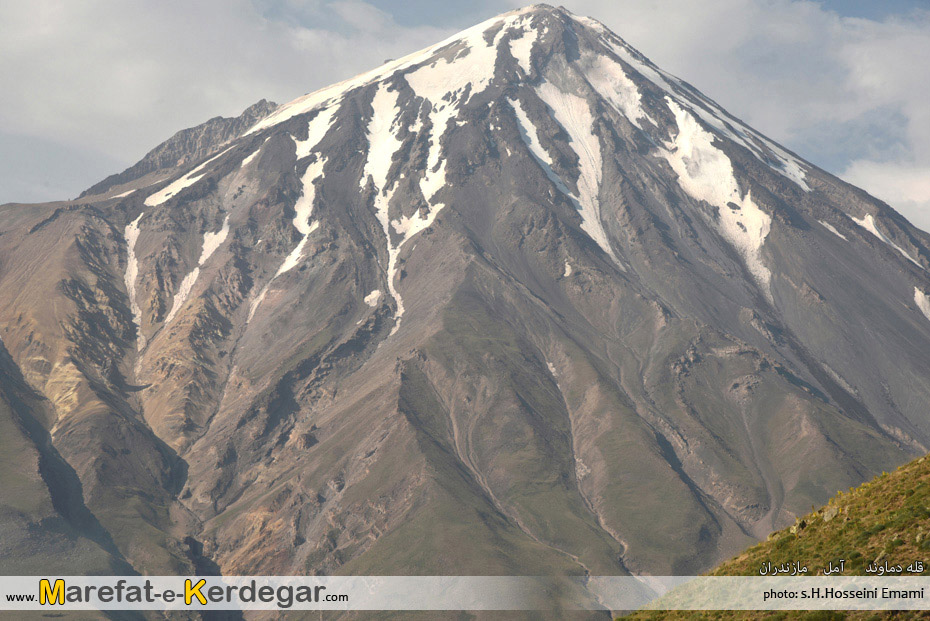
(884, 521)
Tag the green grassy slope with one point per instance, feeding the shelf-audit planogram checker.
(884, 520)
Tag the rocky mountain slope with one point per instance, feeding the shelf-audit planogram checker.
(518, 303)
(188, 145)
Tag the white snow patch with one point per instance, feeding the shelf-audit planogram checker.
(705, 173)
(124, 194)
(786, 164)
(611, 82)
(531, 138)
(574, 115)
(414, 130)
(791, 166)
(316, 131)
(382, 144)
(373, 298)
(297, 253)
(303, 208)
(382, 141)
(258, 301)
(589, 22)
(211, 242)
(332, 93)
(290, 262)
(568, 270)
(868, 223)
(184, 182)
(434, 177)
(654, 75)
(408, 226)
(522, 48)
(832, 229)
(777, 158)
(552, 369)
(184, 290)
(448, 84)
(132, 273)
(923, 302)
(248, 160)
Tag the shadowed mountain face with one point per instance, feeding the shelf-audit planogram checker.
(519, 303)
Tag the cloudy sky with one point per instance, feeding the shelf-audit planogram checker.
(89, 87)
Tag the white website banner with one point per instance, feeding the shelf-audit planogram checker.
(49, 593)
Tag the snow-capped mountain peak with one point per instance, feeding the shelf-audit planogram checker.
(523, 279)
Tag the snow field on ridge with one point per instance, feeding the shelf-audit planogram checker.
(706, 174)
(211, 242)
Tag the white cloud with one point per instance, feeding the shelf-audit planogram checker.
(119, 77)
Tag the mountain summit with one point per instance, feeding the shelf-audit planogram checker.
(519, 303)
